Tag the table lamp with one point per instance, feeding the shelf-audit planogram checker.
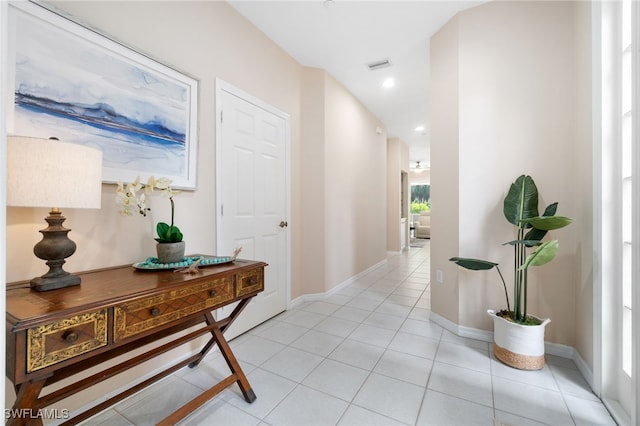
(53, 174)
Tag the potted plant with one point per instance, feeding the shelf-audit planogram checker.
(170, 247)
(519, 336)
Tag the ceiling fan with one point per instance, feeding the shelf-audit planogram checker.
(417, 167)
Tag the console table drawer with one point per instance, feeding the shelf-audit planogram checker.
(61, 340)
(135, 317)
(250, 282)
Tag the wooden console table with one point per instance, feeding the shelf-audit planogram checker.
(58, 334)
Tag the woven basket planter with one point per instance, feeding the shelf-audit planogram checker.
(519, 346)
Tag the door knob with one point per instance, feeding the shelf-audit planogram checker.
(283, 224)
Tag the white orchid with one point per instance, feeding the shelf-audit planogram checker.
(129, 201)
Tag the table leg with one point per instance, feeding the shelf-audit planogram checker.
(233, 364)
(207, 347)
(237, 375)
(26, 399)
(210, 320)
(219, 339)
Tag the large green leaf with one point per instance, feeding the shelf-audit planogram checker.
(528, 243)
(551, 209)
(539, 234)
(543, 254)
(535, 235)
(549, 223)
(473, 264)
(521, 201)
(482, 265)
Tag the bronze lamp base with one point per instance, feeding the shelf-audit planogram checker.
(54, 247)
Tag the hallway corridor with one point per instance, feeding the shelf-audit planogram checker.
(368, 355)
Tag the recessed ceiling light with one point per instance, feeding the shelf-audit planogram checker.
(419, 129)
(388, 83)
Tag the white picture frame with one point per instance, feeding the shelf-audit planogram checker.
(71, 82)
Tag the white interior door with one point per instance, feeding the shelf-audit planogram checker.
(252, 194)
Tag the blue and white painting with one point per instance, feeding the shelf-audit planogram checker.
(84, 88)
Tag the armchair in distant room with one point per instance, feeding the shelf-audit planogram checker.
(423, 225)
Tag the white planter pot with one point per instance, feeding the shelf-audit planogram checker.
(517, 345)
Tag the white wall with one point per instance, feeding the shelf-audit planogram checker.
(516, 79)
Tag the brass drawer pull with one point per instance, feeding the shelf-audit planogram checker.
(213, 293)
(154, 312)
(70, 337)
(253, 281)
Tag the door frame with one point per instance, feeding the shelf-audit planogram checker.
(606, 228)
(223, 86)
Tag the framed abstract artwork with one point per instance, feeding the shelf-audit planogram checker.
(75, 84)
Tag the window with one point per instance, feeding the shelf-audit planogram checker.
(626, 182)
(619, 209)
(420, 198)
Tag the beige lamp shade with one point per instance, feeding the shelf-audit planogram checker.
(53, 174)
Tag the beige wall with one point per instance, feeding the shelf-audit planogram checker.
(314, 158)
(337, 217)
(355, 186)
(397, 163)
(519, 75)
(444, 169)
(205, 40)
(209, 40)
(343, 182)
(422, 177)
(584, 333)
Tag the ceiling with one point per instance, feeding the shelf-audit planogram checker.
(343, 37)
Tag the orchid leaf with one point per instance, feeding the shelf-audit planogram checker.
(168, 233)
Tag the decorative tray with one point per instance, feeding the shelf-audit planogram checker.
(152, 264)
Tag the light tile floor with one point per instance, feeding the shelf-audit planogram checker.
(369, 355)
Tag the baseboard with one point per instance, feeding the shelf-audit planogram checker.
(471, 333)
(475, 333)
(584, 368)
(563, 351)
(618, 413)
(556, 349)
(313, 297)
